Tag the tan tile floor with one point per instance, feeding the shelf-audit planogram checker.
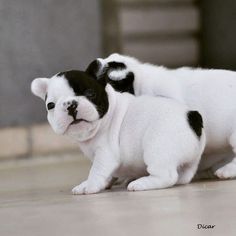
(35, 199)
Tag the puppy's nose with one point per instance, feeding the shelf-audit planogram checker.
(72, 108)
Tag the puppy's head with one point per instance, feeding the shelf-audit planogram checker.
(115, 70)
(75, 102)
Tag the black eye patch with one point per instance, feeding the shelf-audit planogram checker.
(50, 105)
(85, 85)
(90, 93)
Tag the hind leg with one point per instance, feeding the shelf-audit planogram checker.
(162, 173)
(163, 179)
(227, 169)
(187, 172)
(165, 172)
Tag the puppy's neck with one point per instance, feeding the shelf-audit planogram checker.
(118, 104)
(110, 124)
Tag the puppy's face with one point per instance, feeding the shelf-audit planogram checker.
(75, 103)
(115, 70)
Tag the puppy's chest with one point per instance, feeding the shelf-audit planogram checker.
(88, 151)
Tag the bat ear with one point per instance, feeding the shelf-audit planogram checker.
(93, 68)
(98, 71)
(39, 87)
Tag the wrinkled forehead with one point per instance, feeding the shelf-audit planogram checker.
(59, 87)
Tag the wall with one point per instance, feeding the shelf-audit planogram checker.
(39, 38)
(164, 32)
(219, 33)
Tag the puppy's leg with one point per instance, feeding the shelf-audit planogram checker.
(164, 180)
(162, 173)
(228, 169)
(80, 189)
(187, 171)
(100, 175)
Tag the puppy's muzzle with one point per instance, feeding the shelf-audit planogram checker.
(71, 108)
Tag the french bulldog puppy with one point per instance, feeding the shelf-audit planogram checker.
(211, 92)
(157, 141)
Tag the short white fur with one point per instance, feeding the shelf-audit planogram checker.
(145, 138)
(212, 92)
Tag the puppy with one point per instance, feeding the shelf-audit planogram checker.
(156, 141)
(211, 92)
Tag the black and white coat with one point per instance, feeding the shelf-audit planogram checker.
(156, 141)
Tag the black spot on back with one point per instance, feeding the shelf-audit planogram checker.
(195, 122)
(84, 85)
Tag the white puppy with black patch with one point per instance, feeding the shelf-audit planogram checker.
(157, 141)
(212, 92)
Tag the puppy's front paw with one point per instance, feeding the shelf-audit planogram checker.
(80, 189)
(96, 186)
(87, 187)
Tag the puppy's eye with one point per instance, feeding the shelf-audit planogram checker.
(50, 105)
(90, 93)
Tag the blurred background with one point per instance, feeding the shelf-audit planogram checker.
(40, 38)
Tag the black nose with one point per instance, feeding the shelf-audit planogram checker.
(72, 109)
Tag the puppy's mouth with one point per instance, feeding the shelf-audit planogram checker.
(77, 121)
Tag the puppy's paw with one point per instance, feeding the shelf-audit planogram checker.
(87, 187)
(93, 189)
(226, 172)
(96, 186)
(136, 185)
(80, 189)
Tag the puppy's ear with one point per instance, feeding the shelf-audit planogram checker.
(93, 68)
(39, 87)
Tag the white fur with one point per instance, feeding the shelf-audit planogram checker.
(39, 87)
(211, 92)
(145, 138)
